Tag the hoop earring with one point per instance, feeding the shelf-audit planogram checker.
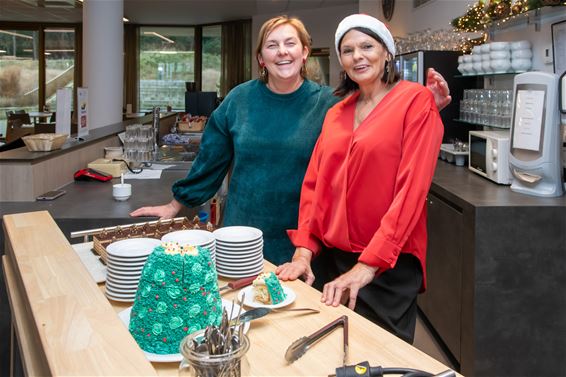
(263, 73)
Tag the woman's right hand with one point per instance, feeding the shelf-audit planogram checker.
(300, 266)
(164, 212)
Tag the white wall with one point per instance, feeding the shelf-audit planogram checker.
(436, 14)
(321, 24)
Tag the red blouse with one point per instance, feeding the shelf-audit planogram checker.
(365, 189)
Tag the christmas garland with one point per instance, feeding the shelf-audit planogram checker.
(482, 14)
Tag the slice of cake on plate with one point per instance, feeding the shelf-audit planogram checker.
(177, 295)
(267, 289)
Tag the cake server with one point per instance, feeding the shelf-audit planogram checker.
(301, 345)
(236, 284)
(256, 313)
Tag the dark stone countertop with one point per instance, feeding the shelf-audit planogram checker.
(23, 155)
(464, 187)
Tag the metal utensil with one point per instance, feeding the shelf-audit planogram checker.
(256, 313)
(236, 284)
(301, 345)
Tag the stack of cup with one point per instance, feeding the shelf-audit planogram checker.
(521, 56)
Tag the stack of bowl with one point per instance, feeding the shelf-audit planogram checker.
(500, 57)
(521, 56)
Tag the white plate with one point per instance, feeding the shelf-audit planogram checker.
(127, 260)
(195, 237)
(242, 263)
(239, 269)
(249, 301)
(176, 357)
(240, 245)
(232, 275)
(133, 247)
(235, 234)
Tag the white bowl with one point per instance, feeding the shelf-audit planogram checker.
(461, 59)
(476, 57)
(524, 53)
(499, 54)
(485, 48)
(500, 65)
(478, 68)
(520, 45)
(497, 46)
(486, 66)
(476, 50)
(468, 68)
(521, 65)
(485, 56)
(461, 69)
(467, 58)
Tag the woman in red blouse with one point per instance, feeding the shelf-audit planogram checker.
(362, 210)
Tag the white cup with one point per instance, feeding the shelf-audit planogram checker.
(122, 191)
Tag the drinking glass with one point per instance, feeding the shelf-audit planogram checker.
(201, 364)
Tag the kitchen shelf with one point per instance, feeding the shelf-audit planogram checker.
(480, 124)
(490, 74)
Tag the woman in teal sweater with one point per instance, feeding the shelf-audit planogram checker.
(265, 130)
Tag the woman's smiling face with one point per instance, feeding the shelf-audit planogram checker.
(362, 57)
(283, 53)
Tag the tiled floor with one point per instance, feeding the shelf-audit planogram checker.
(426, 343)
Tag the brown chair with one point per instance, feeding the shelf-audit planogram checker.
(14, 130)
(44, 128)
(23, 117)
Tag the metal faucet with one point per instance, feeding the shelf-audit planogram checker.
(155, 124)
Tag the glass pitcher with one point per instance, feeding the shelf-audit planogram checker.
(197, 364)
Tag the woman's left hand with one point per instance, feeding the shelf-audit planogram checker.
(439, 87)
(345, 287)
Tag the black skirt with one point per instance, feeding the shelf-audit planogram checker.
(390, 300)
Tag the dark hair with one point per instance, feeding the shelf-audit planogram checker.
(390, 74)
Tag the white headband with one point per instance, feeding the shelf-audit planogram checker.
(368, 22)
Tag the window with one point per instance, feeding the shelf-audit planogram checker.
(59, 63)
(166, 62)
(211, 58)
(19, 72)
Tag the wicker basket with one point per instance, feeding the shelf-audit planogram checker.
(44, 142)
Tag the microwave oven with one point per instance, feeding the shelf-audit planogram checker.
(489, 155)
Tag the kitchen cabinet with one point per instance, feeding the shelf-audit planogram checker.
(496, 271)
(445, 231)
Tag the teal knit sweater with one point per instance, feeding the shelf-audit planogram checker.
(267, 139)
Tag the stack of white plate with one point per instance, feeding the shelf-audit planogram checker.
(239, 251)
(193, 237)
(125, 261)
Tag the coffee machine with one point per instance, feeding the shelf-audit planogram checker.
(535, 157)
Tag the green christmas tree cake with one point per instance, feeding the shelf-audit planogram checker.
(177, 295)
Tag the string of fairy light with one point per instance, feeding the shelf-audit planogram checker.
(482, 15)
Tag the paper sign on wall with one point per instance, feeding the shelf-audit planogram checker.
(82, 105)
(63, 120)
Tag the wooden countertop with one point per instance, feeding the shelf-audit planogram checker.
(66, 326)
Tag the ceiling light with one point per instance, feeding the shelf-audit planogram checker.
(159, 36)
(2, 51)
(125, 19)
